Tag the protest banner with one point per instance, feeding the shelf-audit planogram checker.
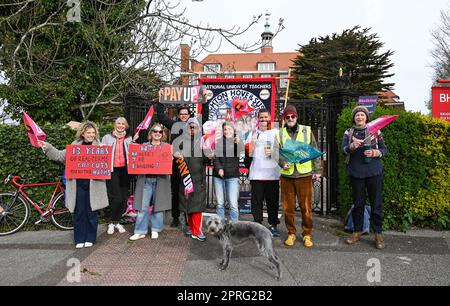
(148, 159)
(179, 94)
(88, 162)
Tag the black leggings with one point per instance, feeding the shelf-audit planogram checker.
(118, 190)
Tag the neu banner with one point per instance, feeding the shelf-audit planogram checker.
(88, 162)
(239, 99)
(441, 103)
(148, 159)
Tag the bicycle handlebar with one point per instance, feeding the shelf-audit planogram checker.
(14, 180)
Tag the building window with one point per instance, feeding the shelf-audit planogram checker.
(211, 76)
(229, 76)
(247, 76)
(266, 66)
(266, 75)
(283, 82)
(212, 67)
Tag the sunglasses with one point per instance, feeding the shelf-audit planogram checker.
(157, 131)
(291, 117)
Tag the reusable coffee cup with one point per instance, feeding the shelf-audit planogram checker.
(366, 158)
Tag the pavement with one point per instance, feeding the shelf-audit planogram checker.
(418, 257)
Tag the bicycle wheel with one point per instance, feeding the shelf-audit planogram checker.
(61, 216)
(16, 215)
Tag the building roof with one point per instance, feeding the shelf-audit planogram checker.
(388, 96)
(247, 61)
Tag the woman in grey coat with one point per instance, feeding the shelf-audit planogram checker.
(152, 191)
(84, 197)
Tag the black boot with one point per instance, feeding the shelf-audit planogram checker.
(175, 222)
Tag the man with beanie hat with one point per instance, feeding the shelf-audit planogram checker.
(296, 179)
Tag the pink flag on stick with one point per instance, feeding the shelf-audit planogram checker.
(240, 108)
(375, 125)
(209, 139)
(34, 131)
(147, 120)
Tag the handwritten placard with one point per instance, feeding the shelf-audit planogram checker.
(88, 162)
(150, 159)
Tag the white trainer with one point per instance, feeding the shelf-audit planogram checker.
(155, 235)
(110, 230)
(88, 244)
(136, 237)
(79, 246)
(120, 228)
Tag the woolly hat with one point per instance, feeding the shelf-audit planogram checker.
(193, 120)
(360, 108)
(290, 110)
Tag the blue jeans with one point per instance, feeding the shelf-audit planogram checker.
(156, 219)
(231, 187)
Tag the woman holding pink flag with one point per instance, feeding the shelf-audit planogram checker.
(364, 152)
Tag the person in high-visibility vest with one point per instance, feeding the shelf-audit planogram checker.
(296, 179)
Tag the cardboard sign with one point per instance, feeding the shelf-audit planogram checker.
(441, 103)
(182, 94)
(88, 162)
(148, 159)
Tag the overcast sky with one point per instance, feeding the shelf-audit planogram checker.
(403, 25)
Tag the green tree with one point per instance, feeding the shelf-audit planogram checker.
(351, 59)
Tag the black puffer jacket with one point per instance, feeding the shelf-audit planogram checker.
(227, 157)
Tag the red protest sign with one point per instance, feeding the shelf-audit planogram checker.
(88, 162)
(441, 103)
(148, 159)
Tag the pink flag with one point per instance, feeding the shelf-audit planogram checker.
(147, 120)
(375, 125)
(209, 139)
(240, 108)
(34, 131)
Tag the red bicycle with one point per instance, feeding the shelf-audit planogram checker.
(16, 207)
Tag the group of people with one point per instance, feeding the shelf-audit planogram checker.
(269, 173)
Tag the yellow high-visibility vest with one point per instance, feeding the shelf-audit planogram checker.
(304, 131)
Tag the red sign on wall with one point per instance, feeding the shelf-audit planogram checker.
(88, 162)
(148, 159)
(441, 103)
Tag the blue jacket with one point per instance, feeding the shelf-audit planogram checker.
(356, 167)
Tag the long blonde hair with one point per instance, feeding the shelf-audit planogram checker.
(84, 127)
(149, 136)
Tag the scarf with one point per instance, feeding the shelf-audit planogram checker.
(119, 134)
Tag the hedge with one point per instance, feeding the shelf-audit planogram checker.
(416, 170)
(18, 157)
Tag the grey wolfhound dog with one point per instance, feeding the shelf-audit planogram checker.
(233, 233)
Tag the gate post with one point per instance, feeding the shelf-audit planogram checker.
(335, 100)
